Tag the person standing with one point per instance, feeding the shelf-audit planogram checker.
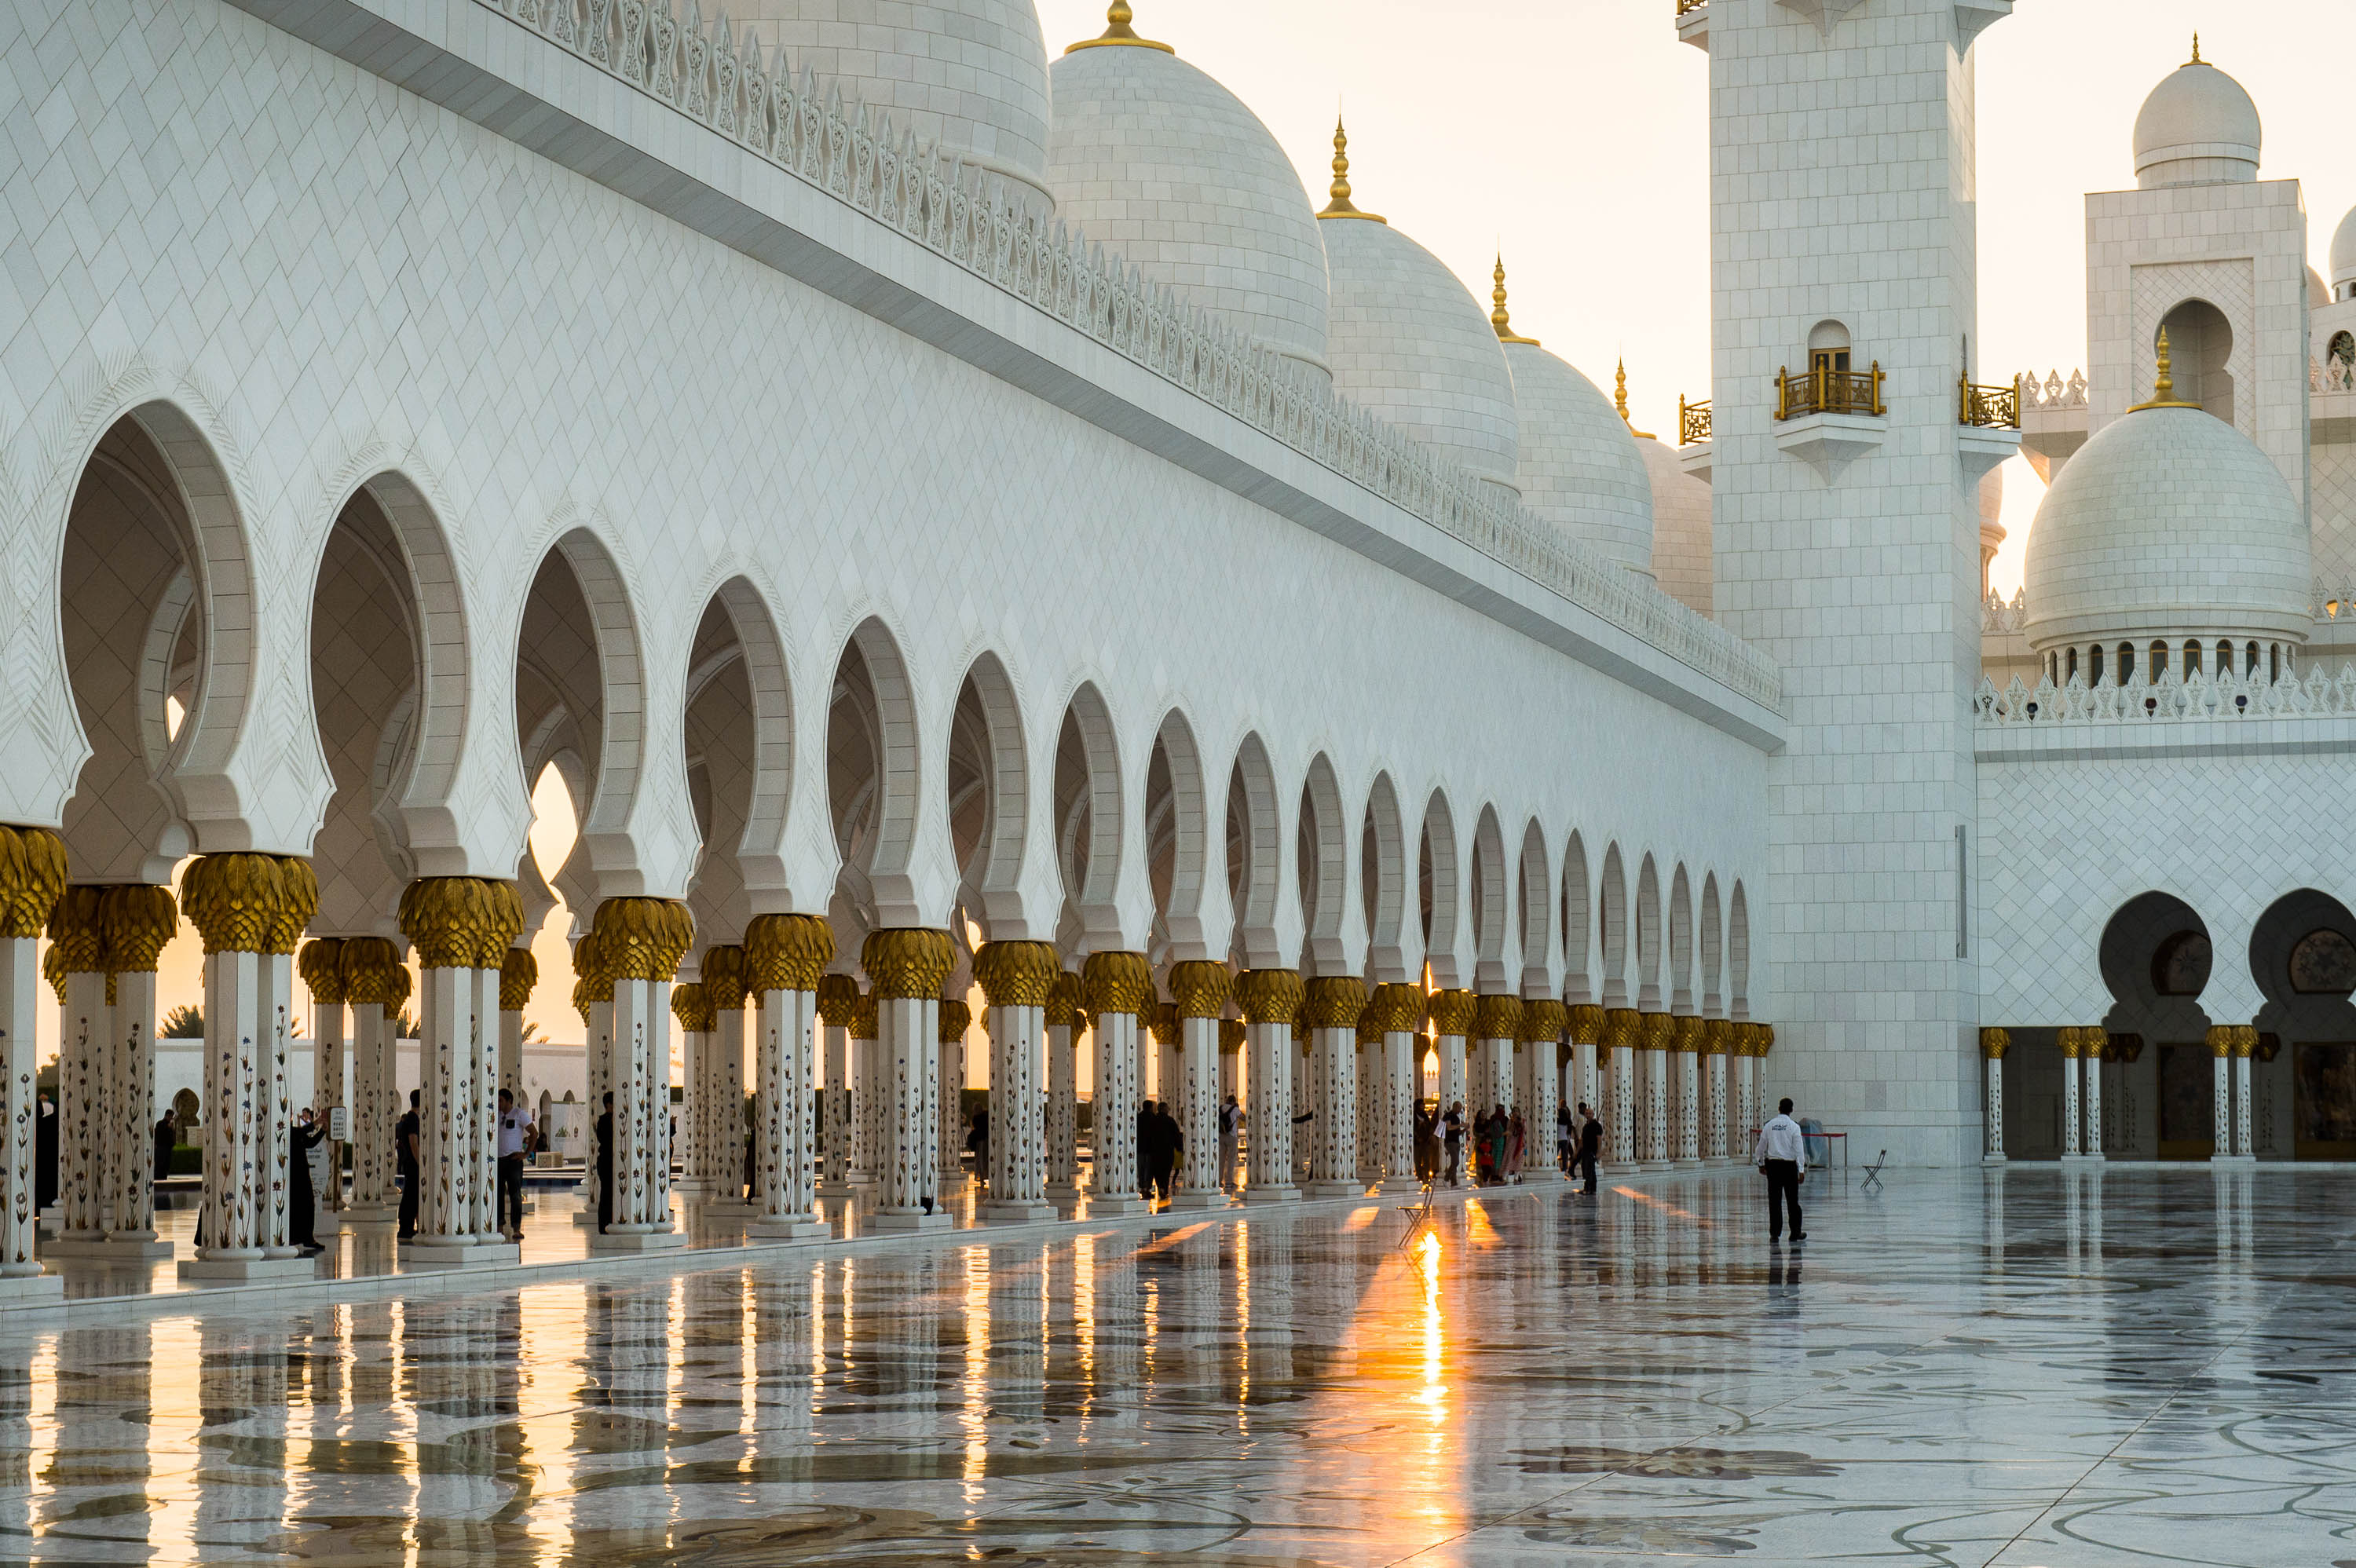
(1231, 1126)
(1566, 1140)
(1170, 1140)
(167, 1138)
(302, 1193)
(1782, 1156)
(1590, 1145)
(405, 1156)
(45, 1155)
(1451, 1143)
(516, 1131)
(605, 1134)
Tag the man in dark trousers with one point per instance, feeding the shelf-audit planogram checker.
(1169, 1141)
(1780, 1157)
(405, 1134)
(605, 1167)
(1590, 1145)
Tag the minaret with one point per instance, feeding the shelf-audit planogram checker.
(1846, 538)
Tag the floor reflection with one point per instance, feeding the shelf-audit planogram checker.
(2023, 1366)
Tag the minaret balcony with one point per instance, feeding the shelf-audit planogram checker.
(1825, 390)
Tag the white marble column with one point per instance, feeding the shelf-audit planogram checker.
(2092, 1042)
(1452, 1019)
(690, 1006)
(1623, 1143)
(1270, 1000)
(249, 909)
(717, 1112)
(1543, 1022)
(1717, 1106)
(640, 942)
(1994, 1043)
(1398, 1015)
(1119, 985)
(873, 1091)
(951, 1022)
(2244, 1146)
(321, 964)
(376, 984)
(1064, 1021)
(85, 1036)
(1199, 991)
(32, 877)
(1687, 1059)
(131, 1144)
(2071, 1115)
(462, 928)
(1330, 1011)
(1017, 978)
(838, 1004)
(906, 967)
(786, 957)
(519, 977)
(592, 998)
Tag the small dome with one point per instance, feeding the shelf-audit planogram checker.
(1681, 538)
(2197, 127)
(2167, 521)
(1167, 169)
(1580, 468)
(1408, 345)
(969, 76)
(2344, 252)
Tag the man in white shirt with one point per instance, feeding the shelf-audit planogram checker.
(514, 1138)
(1782, 1156)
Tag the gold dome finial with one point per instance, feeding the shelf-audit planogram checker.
(1620, 402)
(2196, 58)
(1497, 317)
(2163, 389)
(1340, 206)
(1118, 17)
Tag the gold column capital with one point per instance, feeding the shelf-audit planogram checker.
(1587, 1024)
(32, 875)
(461, 923)
(1691, 1032)
(76, 933)
(2072, 1040)
(956, 1018)
(139, 918)
(1231, 1036)
(373, 974)
(1718, 1037)
(1398, 1007)
(1543, 1020)
(788, 952)
(53, 970)
(1622, 1026)
(907, 961)
(1201, 989)
(1118, 982)
(1163, 1020)
(299, 887)
(233, 900)
(1995, 1042)
(641, 938)
(2246, 1039)
(1452, 1011)
(1498, 1017)
(838, 998)
(1018, 974)
(519, 977)
(1066, 1001)
(862, 1018)
(723, 973)
(1658, 1031)
(1270, 996)
(590, 968)
(691, 1006)
(1333, 1001)
(321, 964)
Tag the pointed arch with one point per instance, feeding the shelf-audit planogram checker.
(1578, 924)
(1178, 836)
(436, 839)
(1255, 839)
(1612, 911)
(1382, 883)
(1321, 864)
(1490, 893)
(987, 775)
(1089, 820)
(1681, 942)
(1648, 936)
(1713, 950)
(1738, 954)
(874, 779)
(760, 851)
(1439, 878)
(602, 687)
(1533, 895)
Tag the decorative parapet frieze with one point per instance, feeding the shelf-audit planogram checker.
(2224, 699)
(966, 215)
(2053, 394)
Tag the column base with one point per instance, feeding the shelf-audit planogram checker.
(1351, 1188)
(109, 1250)
(938, 1219)
(1196, 1200)
(2244, 1161)
(2078, 1159)
(1683, 1164)
(239, 1271)
(726, 1208)
(688, 1186)
(358, 1217)
(1400, 1186)
(790, 1228)
(1992, 1159)
(31, 1289)
(1271, 1192)
(425, 1255)
(1111, 1205)
(637, 1242)
(1063, 1192)
(1016, 1211)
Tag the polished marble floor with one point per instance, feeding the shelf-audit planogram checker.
(2147, 1366)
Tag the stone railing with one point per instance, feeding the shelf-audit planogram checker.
(2170, 698)
(2331, 602)
(2054, 394)
(2000, 615)
(707, 72)
(2330, 375)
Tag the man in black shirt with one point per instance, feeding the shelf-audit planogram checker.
(605, 1167)
(1590, 1144)
(405, 1134)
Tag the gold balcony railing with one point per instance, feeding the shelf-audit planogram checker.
(1988, 408)
(1693, 422)
(1824, 392)
(1687, 7)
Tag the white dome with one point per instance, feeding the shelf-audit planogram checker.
(1167, 169)
(968, 75)
(1580, 468)
(1408, 343)
(2168, 521)
(1681, 539)
(2197, 127)
(2343, 252)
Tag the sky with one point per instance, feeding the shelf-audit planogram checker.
(1572, 133)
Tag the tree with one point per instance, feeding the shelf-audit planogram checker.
(183, 1023)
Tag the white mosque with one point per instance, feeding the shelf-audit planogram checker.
(997, 565)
